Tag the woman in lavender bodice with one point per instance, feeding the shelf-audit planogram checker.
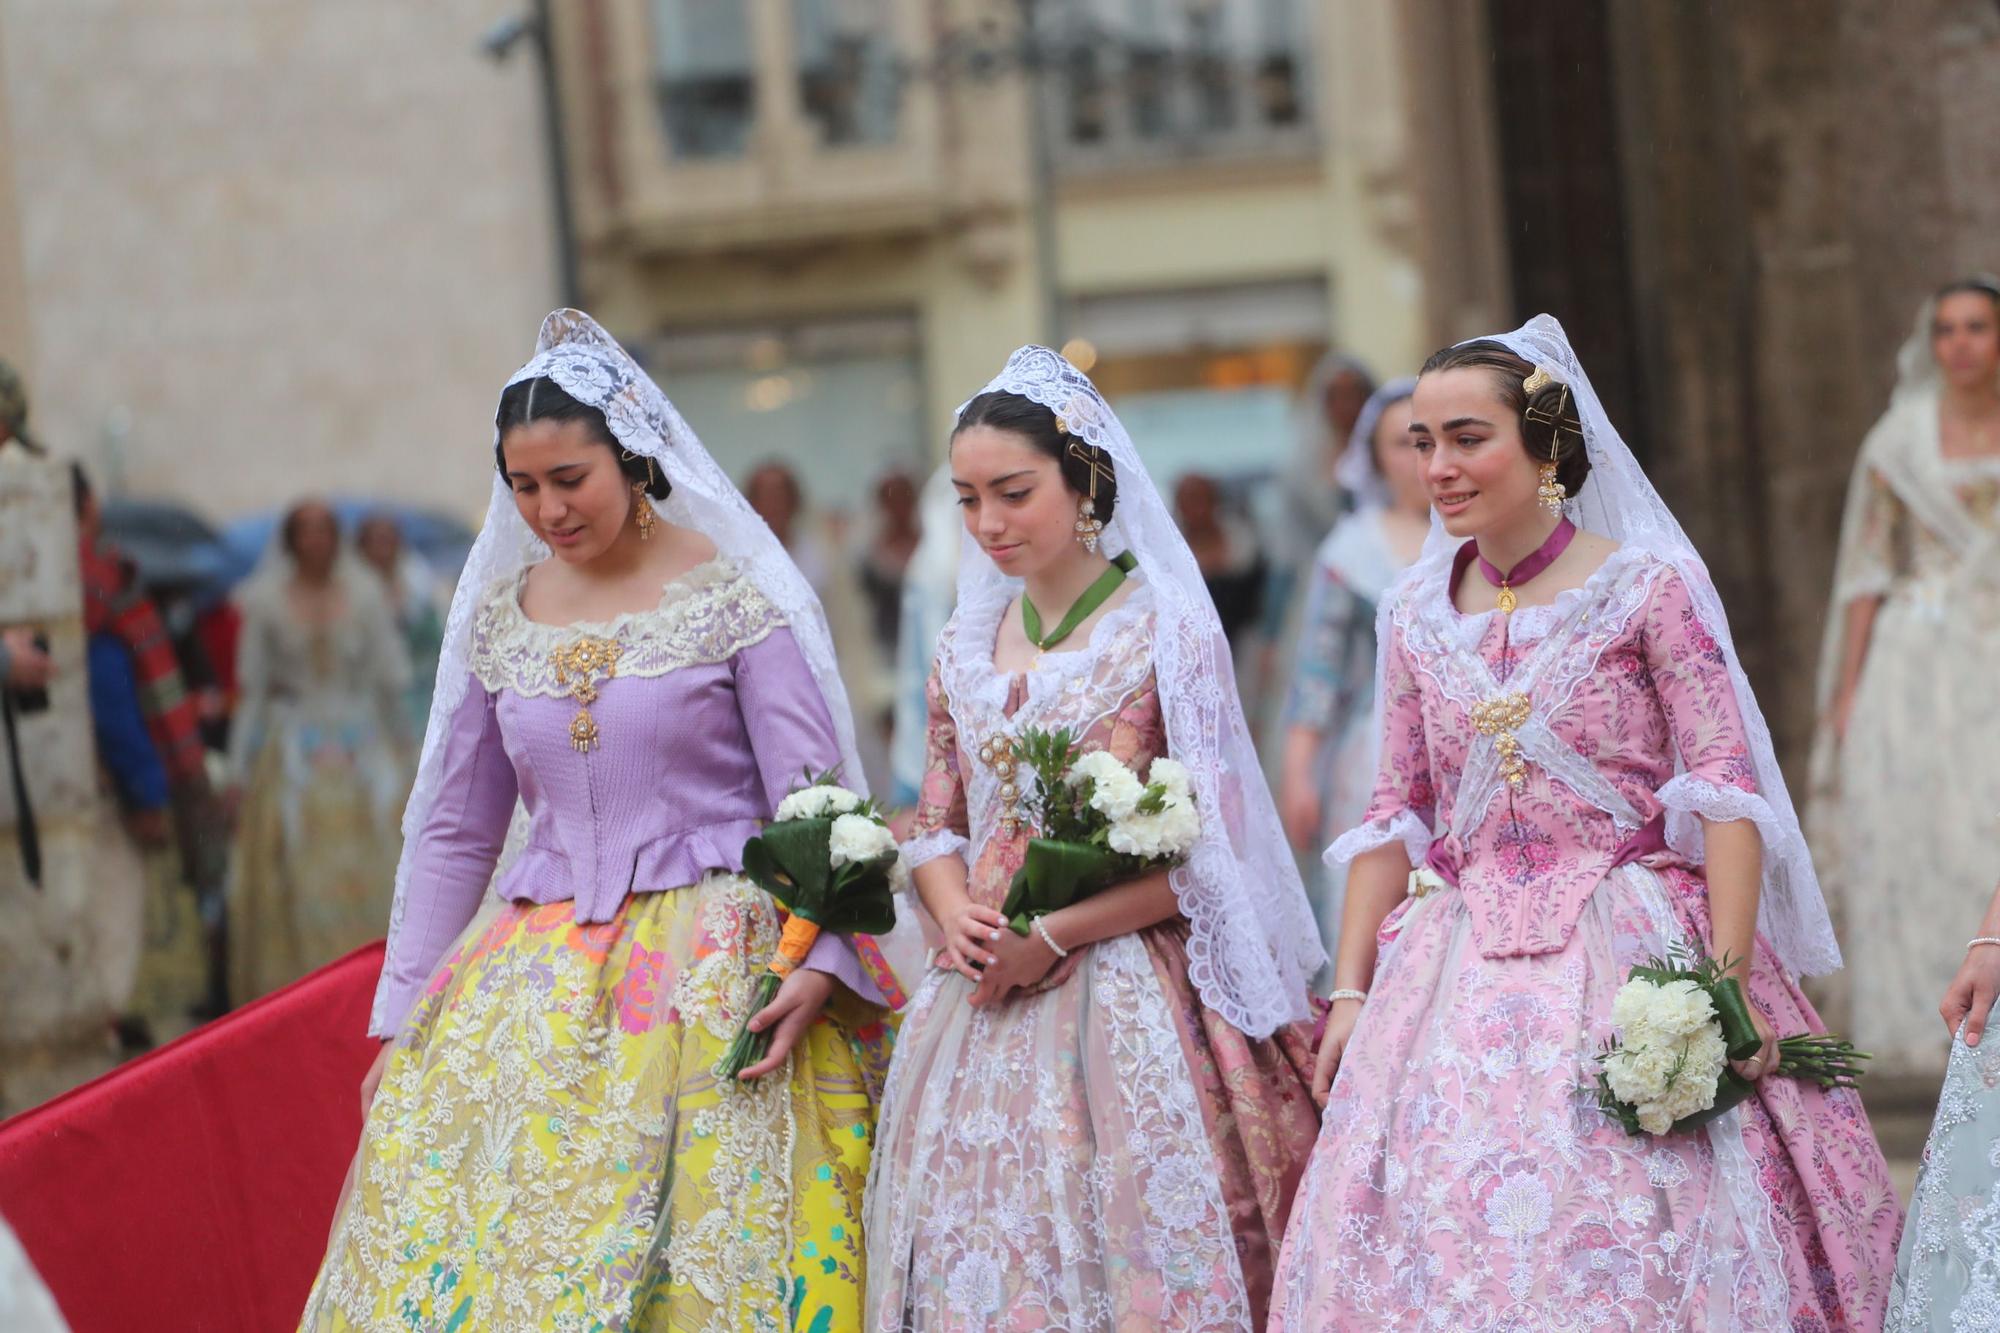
(1574, 777)
(1096, 1125)
(547, 1144)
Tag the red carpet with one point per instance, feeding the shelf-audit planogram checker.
(192, 1189)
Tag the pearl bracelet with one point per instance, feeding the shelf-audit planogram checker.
(1055, 948)
(1978, 940)
(1340, 995)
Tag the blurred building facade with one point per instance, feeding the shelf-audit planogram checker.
(826, 222)
(1736, 211)
(256, 248)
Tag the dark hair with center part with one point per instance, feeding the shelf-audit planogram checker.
(1037, 425)
(542, 399)
(1972, 284)
(1553, 432)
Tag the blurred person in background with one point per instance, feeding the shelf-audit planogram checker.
(1906, 763)
(413, 595)
(887, 556)
(1330, 743)
(149, 742)
(318, 757)
(1311, 501)
(774, 491)
(72, 901)
(1225, 547)
(930, 590)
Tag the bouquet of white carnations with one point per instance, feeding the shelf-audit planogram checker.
(1680, 1024)
(829, 859)
(1097, 822)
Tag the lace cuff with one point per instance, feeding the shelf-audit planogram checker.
(1863, 583)
(1688, 796)
(928, 847)
(1404, 826)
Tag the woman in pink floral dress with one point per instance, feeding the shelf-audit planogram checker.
(1574, 777)
(1100, 1125)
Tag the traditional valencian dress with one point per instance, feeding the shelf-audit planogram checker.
(1543, 770)
(1948, 1270)
(551, 1148)
(1905, 807)
(319, 746)
(1109, 1152)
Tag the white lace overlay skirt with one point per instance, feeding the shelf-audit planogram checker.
(1043, 1164)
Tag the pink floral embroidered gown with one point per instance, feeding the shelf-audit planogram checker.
(1105, 1154)
(1465, 1177)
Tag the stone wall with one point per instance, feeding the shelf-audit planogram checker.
(273, 246)
(1800, 175)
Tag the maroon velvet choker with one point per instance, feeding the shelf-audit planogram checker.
(1543, 556)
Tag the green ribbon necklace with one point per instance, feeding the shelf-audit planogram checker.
(1093, 597)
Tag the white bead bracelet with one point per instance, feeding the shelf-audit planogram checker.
(1978, 940)
(1340, 995)
(1043, 931)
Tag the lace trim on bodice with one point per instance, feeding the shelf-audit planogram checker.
(1560, 644)
(1075, 689)
(707, 615)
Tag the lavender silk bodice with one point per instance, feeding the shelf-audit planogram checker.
(708, 719)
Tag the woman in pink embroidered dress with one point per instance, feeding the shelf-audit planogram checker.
(1100, 1125)
(1574, 777)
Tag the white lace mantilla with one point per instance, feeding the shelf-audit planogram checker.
(706, 615)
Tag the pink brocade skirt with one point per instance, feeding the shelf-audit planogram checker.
(1466, 1179)
(1103, 1155)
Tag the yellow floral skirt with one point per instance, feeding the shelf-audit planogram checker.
(550, 1147)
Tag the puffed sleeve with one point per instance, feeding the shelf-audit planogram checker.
(1716, 778)
(454, 855)
(1404, 807)
(791, 731)
(941, 827)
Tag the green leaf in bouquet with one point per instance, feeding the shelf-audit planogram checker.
(792, 861)
(1055, 874)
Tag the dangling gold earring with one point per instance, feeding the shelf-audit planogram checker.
(642, 505)
(1089, 527)
(642, 511)
(1551, 492)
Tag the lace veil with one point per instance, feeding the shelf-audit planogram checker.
(1902, 452)
(575, 352)
(1253, 948)
(1617, 501)
(1356, 471)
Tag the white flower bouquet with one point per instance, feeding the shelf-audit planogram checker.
(1097, 822)
(1680, 1023)
(831, 862)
